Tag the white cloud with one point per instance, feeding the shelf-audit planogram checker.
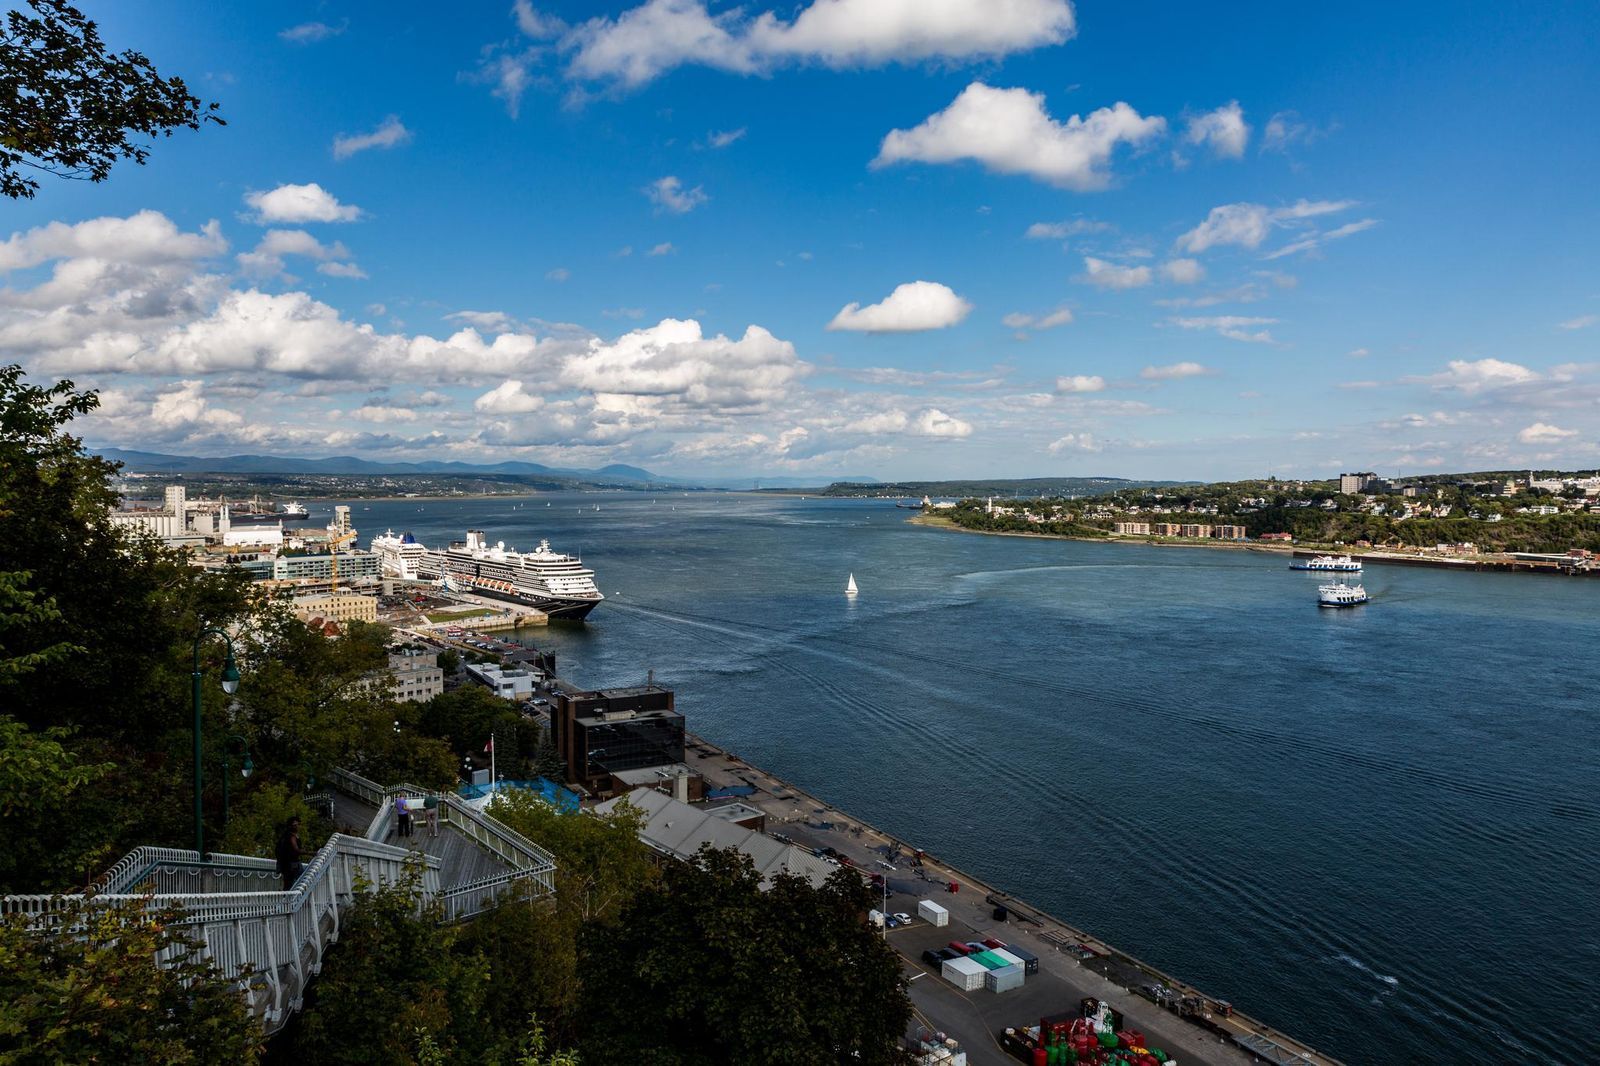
(1286, 128)
(1017, 320)
(1075, 442)
(1106, 275)
(668, 194)
(1318, 239)
(1175, 371)
(1009, 131)
(1471, 376)
(391, 133)
(673, 359)
(1183, 271)
(1235, 327)
(507, 398)
(723, 138)
(533, 24)
(664, 248)
(1080, 383)
(267, 258)
(1359, 353)
(935, 423)
(381, 413)
(146, 238)
(300, 203)
(914, 306)
(1060, 231)
(311, 32)
(647, 41)
(558, 274)
(1544, 433)
(1223, 130)
(1247, 225)
(1581, 322)
(883, 422)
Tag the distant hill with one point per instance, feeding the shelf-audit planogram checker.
(1010, 488)
(158, 463)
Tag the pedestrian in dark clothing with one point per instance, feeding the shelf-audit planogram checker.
(289, 864)
(403, 815)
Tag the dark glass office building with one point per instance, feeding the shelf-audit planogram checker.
(599, 733)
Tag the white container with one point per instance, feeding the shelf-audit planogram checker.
(1004, 979)
(963, 973)
(932, 913)
(875, 919)
(1010, 959)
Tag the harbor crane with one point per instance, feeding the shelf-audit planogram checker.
(334, 541)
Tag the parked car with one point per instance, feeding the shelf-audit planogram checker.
(902, 917)
(933, 957)
(946, 954)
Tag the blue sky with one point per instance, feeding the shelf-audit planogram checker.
(942, 238)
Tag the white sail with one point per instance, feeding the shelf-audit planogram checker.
(850, 586)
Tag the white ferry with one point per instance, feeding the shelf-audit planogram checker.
(1339, 594)
(399, 556)
(1343, 563)
(556, 584)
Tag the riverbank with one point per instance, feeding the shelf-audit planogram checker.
(1079, 963)
(1503, 564)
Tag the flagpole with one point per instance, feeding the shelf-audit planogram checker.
(492, 776)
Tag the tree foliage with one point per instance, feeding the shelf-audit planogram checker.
(91, 992)
(72, 108)
(600, 862)
(709, 968)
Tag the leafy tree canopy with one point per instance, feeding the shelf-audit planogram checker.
(72, 108)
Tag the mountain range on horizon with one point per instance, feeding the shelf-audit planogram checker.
(614, 474)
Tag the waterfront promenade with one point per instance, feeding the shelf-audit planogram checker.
(1072, 962)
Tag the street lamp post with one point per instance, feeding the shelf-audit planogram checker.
(245, 770)
(230, 685)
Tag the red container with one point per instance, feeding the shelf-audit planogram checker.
(991, 942)
(954, 887)
(956, 945)
(1040, 1056)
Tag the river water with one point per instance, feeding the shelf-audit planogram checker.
(1378, 829)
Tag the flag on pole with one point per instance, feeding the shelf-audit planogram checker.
(489, 747)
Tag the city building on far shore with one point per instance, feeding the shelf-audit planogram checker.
(338, 607)
(417, 677)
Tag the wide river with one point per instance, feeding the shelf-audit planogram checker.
(1378, 829)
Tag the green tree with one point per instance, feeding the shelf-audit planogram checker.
(92, 992)
(789, 974)
(449, 661)
(600, 862)
(71, 108)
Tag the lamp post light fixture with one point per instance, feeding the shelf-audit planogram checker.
(230, 685)
(245, 770)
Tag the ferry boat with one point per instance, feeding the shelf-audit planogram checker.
(399, 556)
(1343, 563)
(557, 584)
(1339, 594)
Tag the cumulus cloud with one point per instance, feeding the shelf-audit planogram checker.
(1010, 132)
(390, 133)
(935, 423)
(1060, 231)
(1581, 322)
(645, 42)
(1174, 371)
(1544, 433)
(1183, 271)
(912, 307)
(1235, 327)
(1224, 131)
(673, 358)
(668, 194)
(507, 398)
(1104, 275)
(1075, 442)
(382, 413)
(1247, 225)
(1018, 320)
(300, 203)
(146, 238)
(266, 260)
(1080, 383)
(1478, 375)
(664, 248)
(311, 32)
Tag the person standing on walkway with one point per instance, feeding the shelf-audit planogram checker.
(402, 818)
(431, 807)
(288, 854)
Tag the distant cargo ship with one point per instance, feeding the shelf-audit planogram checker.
(1342, 563)
(557, 584)
(294, 510)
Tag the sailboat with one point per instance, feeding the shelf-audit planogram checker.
(850, 586)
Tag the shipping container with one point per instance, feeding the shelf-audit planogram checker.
(959, 948)
(1030, 961)
(988, 959)
(932, 913)
(1004, 979)
(964, 974)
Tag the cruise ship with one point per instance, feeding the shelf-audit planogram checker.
(1342, 563)
(556, 584)
(399, 556)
